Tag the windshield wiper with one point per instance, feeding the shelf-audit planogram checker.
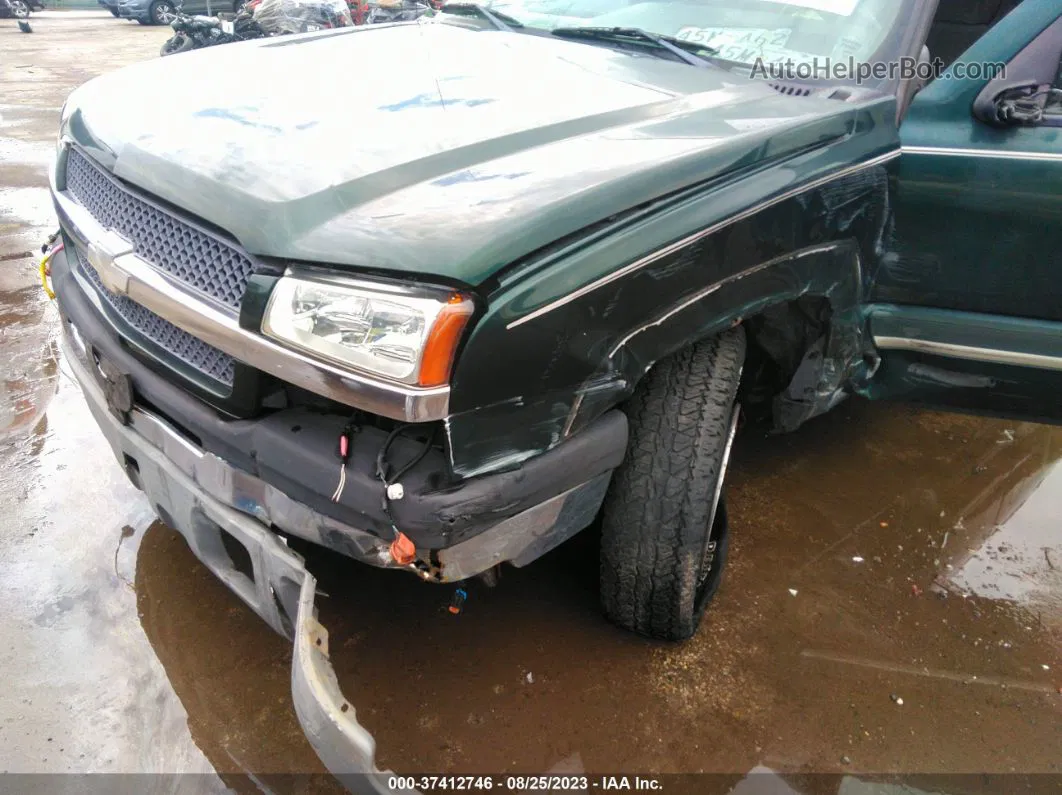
(500, 21)
(683, 49)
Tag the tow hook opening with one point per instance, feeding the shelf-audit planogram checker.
(132, 470)
(238, 555)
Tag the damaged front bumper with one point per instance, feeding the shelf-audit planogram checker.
(280, 466)
(280, 589)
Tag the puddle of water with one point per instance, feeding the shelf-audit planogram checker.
(29, 370)
(83, 690)
(1021, 559)
(850, 514)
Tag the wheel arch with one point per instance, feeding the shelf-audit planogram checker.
(802, 317)
(806, 341)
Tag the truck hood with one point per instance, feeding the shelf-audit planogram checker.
(428, 148)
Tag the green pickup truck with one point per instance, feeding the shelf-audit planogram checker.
(442, 318)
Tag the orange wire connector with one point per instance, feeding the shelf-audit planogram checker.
(402, 550)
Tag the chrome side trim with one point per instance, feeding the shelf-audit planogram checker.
(209, 322)
(990, 355)
(686, 241)
(985, 153)
(716, 287)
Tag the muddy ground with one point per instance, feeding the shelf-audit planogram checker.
(893, 603)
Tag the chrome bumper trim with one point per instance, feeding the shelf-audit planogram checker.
(133, 276)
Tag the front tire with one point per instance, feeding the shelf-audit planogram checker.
(664, 534)
(179, 42)
(19, 9)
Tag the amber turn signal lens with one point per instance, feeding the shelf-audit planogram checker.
(441, 347)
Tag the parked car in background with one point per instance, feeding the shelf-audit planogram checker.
(162, 12)
(109, 5)
(17, 9)
(148, 12)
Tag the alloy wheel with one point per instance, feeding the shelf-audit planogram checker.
(164, 13)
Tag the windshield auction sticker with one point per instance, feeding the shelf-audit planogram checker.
(744, 45)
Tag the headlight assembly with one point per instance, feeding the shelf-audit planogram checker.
(406, 336)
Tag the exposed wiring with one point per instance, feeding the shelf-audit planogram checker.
(45, 270)
(345, 447)
(381, 464)
(402, 548)
(338, 493)
(50, 241)
(381, 457)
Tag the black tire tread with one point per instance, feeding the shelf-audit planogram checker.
(657, 508)
(185, 44)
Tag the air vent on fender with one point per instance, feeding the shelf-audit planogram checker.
(791, 90)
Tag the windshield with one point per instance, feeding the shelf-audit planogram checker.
(742, 31)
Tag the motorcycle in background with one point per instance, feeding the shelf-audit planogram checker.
(281, 17)
(196, 32)
(260, 18)
(255, 20)
(401, 11)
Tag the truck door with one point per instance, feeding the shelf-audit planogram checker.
(967, 302)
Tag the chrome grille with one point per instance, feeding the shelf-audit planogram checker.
(186, 252)
(178, 343)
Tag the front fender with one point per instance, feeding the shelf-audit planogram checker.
(567, 339)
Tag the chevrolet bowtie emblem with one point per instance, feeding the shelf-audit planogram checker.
(105, 256)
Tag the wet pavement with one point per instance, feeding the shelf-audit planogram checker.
(893, 603)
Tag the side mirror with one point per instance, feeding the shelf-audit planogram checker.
(1018, 95)
(1023, 106)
